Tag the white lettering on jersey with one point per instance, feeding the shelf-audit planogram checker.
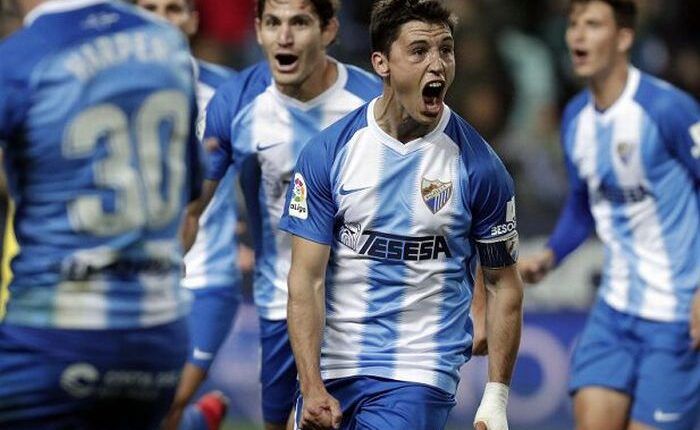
(695, 134)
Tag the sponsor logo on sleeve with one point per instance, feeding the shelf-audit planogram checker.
(298, 208)
(666, 417)
(510, 224)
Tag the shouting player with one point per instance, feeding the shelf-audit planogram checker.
(390, 209)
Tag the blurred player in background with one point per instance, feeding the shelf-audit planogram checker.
(262, 121)
(97, 115)
(390, 209)
(632, 148)
(211, 263)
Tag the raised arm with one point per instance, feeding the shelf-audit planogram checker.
(306, 314)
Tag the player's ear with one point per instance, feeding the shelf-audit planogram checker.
(330, 32)
(381, 64)
(192, 24)
(625, 39)
(258, 29)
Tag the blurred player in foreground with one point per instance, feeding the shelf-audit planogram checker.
(211, 263)
(262, 121)
(389, 209)
(97, 115)
(632, 148)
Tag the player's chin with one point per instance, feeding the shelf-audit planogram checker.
(429, 113)
(287, 78)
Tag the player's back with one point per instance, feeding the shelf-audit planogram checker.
(96, 109)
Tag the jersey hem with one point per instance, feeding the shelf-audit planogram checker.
(405, 375)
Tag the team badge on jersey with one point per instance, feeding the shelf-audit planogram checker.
(297, 206)
(624, 151)
(435, 193)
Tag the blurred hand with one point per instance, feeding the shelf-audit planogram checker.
(172, 420)
(695, 321)
(320, 411)
(480, 426)
(534, 268)
(246, 258)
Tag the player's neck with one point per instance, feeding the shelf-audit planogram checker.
(395, 120)
(609, 85)
(319, 81)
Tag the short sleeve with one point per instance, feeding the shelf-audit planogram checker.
(11, 109)
(494, 227)
(310, 209)
(680, 127)
(196, 158)
(218, 126)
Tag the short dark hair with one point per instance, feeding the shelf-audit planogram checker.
(389, 15)
(625, 11)
(325, 9)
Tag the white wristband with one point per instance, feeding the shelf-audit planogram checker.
(492, 410)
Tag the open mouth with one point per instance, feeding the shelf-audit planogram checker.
(433, 93)
(286, 61)
(579, 55)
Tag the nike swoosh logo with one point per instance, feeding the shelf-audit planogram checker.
(345, 192)
(260, 147)
(666, 417)
(201, 355)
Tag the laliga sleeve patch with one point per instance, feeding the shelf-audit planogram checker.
(298, 208)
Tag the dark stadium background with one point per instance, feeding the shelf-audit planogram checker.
(513, 79)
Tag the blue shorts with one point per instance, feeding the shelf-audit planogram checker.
(371, 403)
(210, 320)
(89, 379)
(278, 373)
(650, 361)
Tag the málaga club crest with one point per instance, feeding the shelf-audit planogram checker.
(435, 194)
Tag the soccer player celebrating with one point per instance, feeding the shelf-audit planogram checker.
(261, 121)
(97, 112)
(390, 209)
(211, 263)
(632, 148)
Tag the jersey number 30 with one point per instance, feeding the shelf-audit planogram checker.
(138, 180)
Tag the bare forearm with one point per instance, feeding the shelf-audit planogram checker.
(503, 327)
(306, 316)
(188, 231)
(194, 210)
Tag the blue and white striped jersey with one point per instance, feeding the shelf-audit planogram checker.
(404, 222)
(637, 165)
(212, 260)
(97, 119)
(262, 132)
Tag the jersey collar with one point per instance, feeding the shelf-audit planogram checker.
(415, 144)
(339, 84)
(57, 6)
(631, 86)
